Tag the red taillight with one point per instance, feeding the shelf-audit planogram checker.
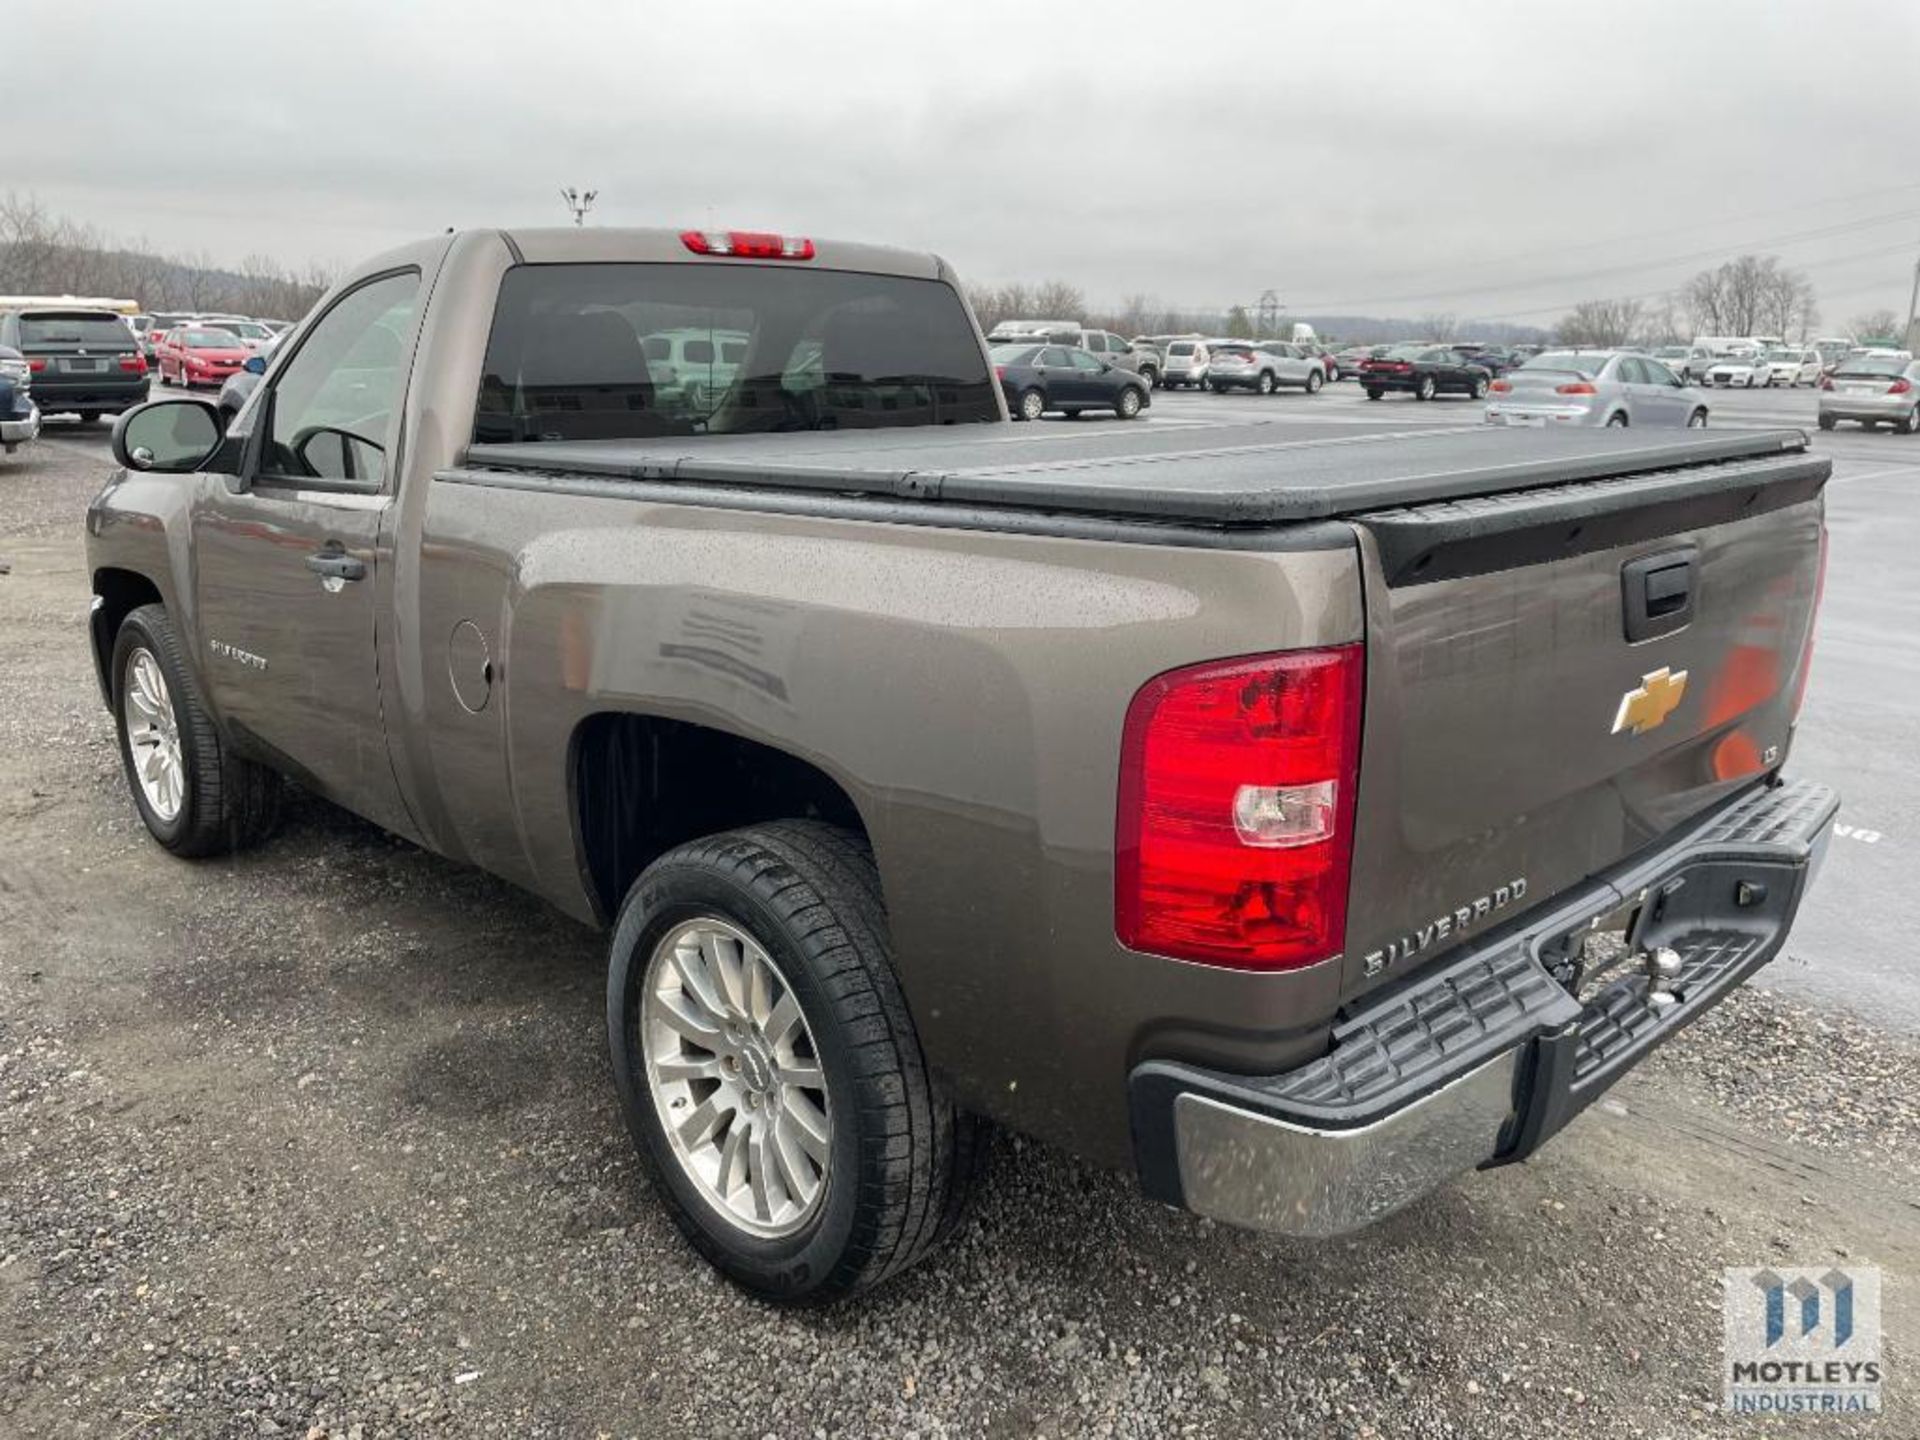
(999, 372)
(747, 244)
(1826, 382)
(133, 364)
(1806, 646)
(35, 364)
(1235, 829)
(1900, 387)
(1575, 387)
(1501, 387)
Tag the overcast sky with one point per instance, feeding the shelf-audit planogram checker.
(1495, 160)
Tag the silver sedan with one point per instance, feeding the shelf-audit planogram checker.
(1870, 389)
(1595, 387)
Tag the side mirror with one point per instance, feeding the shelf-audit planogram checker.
(256, 365)
(167, 437)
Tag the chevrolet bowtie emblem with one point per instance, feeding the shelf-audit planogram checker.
(1651, 701)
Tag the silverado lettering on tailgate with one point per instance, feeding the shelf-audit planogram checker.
(1462, 918)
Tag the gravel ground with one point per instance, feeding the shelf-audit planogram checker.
(321, 1142)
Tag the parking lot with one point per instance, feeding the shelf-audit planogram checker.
(320, 1140)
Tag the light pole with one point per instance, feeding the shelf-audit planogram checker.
(579, 202)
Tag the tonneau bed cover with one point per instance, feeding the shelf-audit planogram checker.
(1262, 473)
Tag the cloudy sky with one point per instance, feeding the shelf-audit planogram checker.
(1499, 160)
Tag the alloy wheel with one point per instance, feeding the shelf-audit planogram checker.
(735, 1077)
(153, 735)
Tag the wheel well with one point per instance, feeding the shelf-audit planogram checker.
(120, 593)
(643, 784)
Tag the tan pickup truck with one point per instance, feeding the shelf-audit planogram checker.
(1237, 806)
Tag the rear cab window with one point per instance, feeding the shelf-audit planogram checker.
(642, 350)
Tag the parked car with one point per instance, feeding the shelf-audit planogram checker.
(250, 333)
(238, 387)
(1870, 391)
(1794, 366)
(1037, 379)
(1424, 371)
(1264, 367)
(1744, 369)
(1186, 364)
(83, 362)
(1115, 350)
(1494, 359)
(19, 416)
(193, 355)
(1347, 362)
(1689, 362)
(1594, 387)
(923, 783)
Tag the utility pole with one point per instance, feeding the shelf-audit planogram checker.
(1913, 305)
(579, 202)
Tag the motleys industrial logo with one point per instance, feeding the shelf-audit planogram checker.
(1802, 1340)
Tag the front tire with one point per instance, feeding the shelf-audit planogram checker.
(1032, 405)
(1314, 381)
(194, 797)
(1128, 407)
(1375, 394)
(1827, 422)
(1479, 389)
(767, 947)
(1909, 422)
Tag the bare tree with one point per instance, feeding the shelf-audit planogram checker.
(1879, 324)
(1600, 322)
(1748, 295)
(42, 254)
(1440, 327)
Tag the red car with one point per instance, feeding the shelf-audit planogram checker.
(193, 355)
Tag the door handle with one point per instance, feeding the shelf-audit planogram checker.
(337, 565)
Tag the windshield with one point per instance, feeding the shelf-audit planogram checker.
(209, 340)
(1671, 352)
(54, 329)
(1588, 365)
(573, 354)
(1793, 355)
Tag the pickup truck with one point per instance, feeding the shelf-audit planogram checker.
(1292, 822)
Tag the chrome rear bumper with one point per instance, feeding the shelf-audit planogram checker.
(1481, 1058)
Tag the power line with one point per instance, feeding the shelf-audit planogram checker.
(1661, 233)
(1824, 232)
(1900, 249)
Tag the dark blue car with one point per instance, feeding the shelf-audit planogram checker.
(1041, 378)
(19, 419)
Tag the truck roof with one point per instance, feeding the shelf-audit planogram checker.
(597, 244)
(1253, 474)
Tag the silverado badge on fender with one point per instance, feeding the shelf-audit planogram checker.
(1651, 701)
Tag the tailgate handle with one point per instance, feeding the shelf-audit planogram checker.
(1657, 592)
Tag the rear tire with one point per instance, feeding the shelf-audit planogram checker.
(1617, 420)
(1698, 420)
(899, 1161)
(1264, 385)
(1426, 389)
(223, 802)
(1151, 376)
(1375, 394)
(1827, 422)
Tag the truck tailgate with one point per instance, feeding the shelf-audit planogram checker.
(1558, 677)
